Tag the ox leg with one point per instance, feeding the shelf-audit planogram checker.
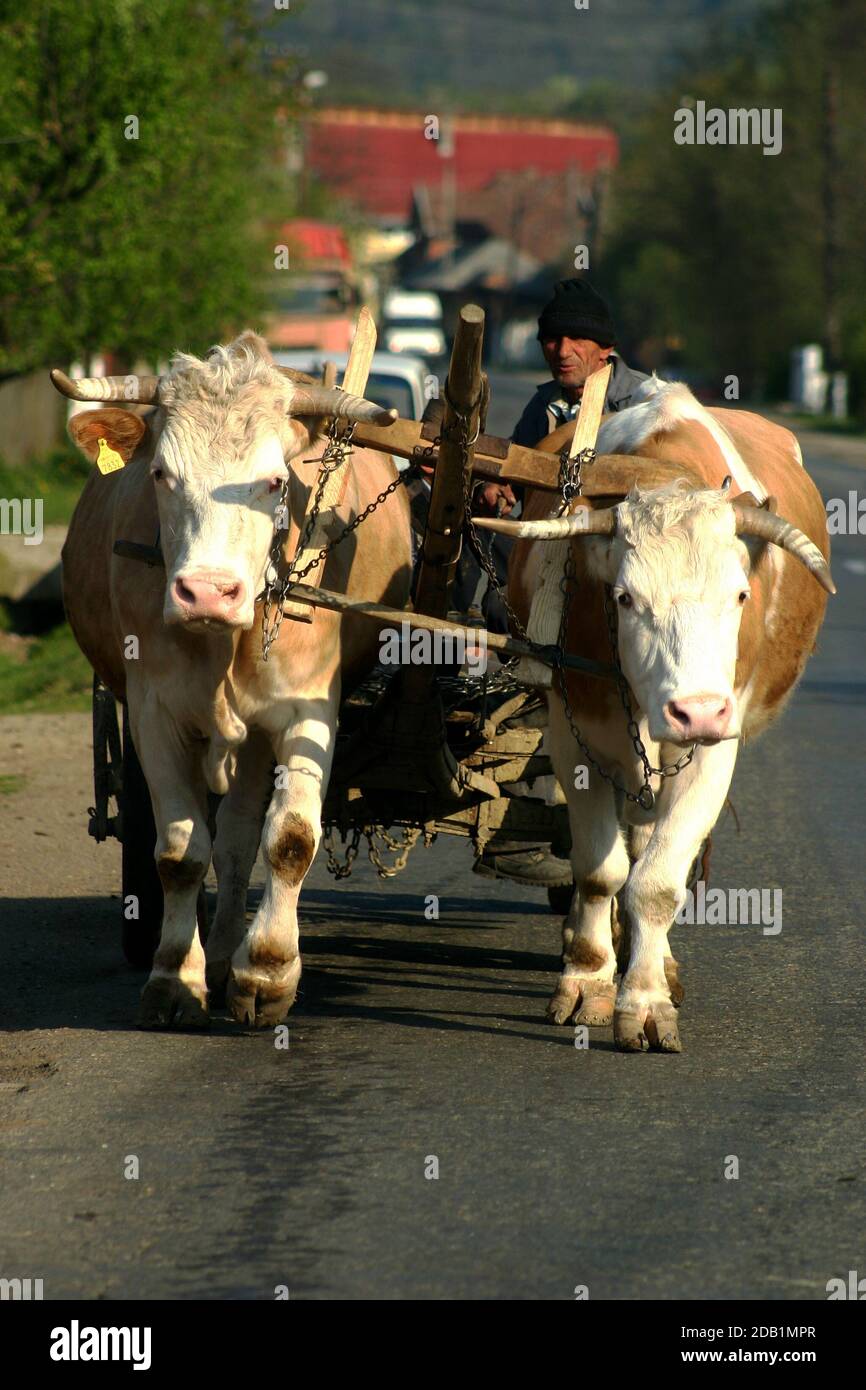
(266, 967)
(688, 808)
(175, 996)
(238, 831)
(638, 838)
(599, 861)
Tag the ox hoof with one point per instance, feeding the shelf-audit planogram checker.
(653, 1026)
(166, 1002)
(262, 1001)
(593, 1000)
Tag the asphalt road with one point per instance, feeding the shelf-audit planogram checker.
(416, 1039)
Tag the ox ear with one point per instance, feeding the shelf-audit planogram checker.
(307, 430)
(121, 430)
(748, 499)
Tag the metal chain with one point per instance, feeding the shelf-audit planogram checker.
(570, 474)
(400, 848)
(276, 591)
(336, 451)
(334, 866)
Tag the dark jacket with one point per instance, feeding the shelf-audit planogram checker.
(535, 422)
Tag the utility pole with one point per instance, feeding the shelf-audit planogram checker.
(830, 170)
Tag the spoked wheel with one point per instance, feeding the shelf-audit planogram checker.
(142, 890)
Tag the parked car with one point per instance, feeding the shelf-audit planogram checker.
(413, 323)
(315, 304)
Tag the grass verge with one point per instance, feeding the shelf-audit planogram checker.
(46, 673)
(57, 479)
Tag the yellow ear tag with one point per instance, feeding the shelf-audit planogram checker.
(108, 460)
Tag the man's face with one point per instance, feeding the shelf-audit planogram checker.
(572, 360)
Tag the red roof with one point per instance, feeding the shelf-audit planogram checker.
(378, 157)
(317, 241)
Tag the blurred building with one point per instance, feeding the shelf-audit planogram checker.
(380, 159)
(493, 208)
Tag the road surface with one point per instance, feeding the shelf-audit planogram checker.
(417, 1040)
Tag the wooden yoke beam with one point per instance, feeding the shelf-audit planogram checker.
(611, 475)
(442, 539)
(443, 535)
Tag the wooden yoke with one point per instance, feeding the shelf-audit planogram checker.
(442, 538)
(611, 476)
(354, 381)
(545, 615)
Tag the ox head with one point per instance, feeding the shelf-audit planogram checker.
(220, 450)
(679, 562)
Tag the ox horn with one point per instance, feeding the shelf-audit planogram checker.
(145, 389)
(580, 523)
(332, 402)
(755, 521)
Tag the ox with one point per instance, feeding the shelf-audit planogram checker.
(717, 611)
(205, 470)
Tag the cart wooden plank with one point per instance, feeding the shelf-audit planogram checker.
(393, 617)
(545, 614)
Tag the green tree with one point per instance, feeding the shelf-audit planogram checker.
(134, 245)
(741, 255)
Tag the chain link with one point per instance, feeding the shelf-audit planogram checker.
(570, 474)
(334, 866)
(401, 848)
(276, 590)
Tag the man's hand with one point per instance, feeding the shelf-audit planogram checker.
(494, 499)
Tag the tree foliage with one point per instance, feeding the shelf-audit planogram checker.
(140, 245)
(737, 254)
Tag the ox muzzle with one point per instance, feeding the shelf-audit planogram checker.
(203, 599)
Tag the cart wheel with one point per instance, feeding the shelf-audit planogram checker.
(140, 878)
(560, 898)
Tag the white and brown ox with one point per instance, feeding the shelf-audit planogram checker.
(205, 468)
(718, 604)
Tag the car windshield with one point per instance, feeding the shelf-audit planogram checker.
(391, 393)
(311, 299)
(414, 323)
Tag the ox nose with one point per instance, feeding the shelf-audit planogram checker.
(700, 717)
(216, 595)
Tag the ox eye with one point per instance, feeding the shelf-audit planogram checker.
(744, 595)
(157, 474)
(276, 483)
(624, 599)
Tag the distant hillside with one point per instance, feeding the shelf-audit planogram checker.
(495, 52)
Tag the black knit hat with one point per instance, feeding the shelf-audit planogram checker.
(576, 311)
